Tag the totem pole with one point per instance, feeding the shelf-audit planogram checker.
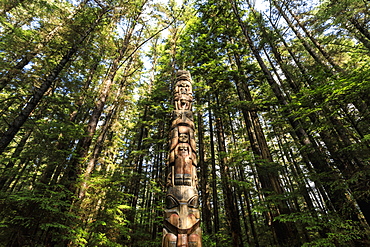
(182, 216)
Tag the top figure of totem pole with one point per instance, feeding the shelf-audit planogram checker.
(182, 216)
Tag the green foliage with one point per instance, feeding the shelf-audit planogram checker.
(333, 231)
(24, 211)
(311, 178)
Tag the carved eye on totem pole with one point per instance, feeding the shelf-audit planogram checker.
(183, 150)
(193, 202)
(171, 202)
(182, 118)
(176, 115)
(183, 87)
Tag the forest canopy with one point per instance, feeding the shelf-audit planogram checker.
(281, 112)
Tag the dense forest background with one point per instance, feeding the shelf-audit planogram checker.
(281, 110)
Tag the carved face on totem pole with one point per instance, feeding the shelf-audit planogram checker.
(182, 118)
(182, 134)
(182, 217)
(183, 87)
(184, 138)
(183, 95)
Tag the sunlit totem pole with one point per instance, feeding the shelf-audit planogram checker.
(182, 216)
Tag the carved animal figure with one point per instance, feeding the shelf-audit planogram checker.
(182, 218)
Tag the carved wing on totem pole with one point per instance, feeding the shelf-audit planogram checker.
(182, 216)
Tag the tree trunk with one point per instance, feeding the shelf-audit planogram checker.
(267, 175)
(5, 79)
(306, 45)
(97, 149)
(216, 221)
(232, 213)
(75, 168)
(254, 241)
(204, 187)
(310, 36)
(18, 122)
(338, 196)
(9, 173)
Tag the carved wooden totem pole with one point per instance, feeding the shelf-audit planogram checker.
(182, 215)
